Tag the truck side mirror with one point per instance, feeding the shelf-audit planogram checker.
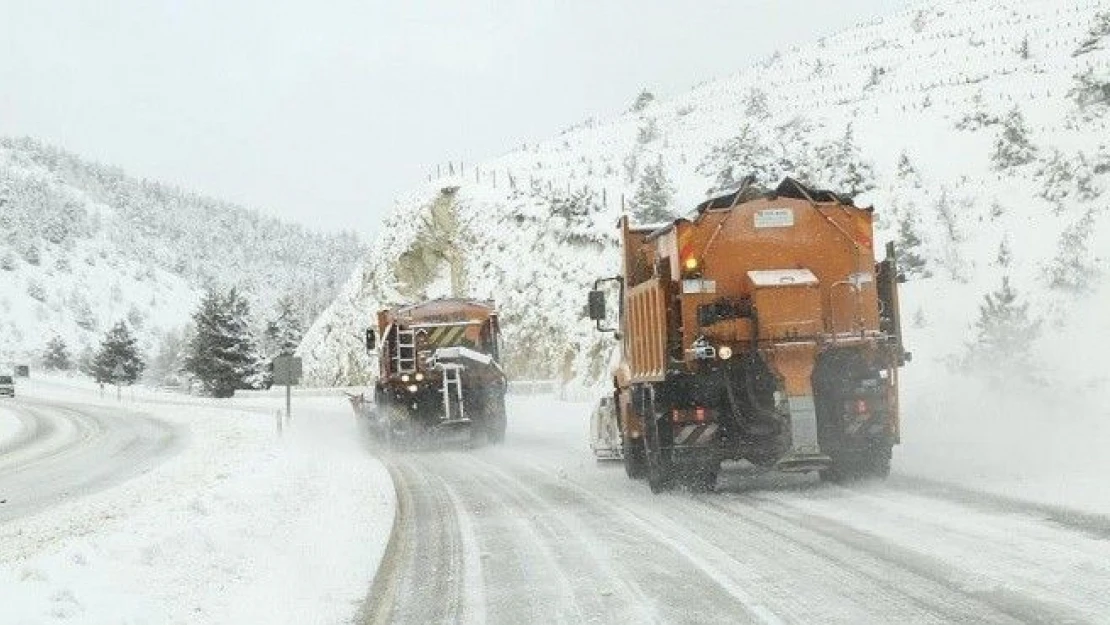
(597, 305)
(371, 339)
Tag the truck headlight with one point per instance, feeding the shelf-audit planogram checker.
(413, 388)
(419, 376)
(725, 352)
(405, 378)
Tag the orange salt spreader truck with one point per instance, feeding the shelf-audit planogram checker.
(760, 329)
(439, 370)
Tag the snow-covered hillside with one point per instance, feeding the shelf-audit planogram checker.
(83, 246)
(977, 128)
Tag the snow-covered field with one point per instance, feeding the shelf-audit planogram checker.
(235, 525)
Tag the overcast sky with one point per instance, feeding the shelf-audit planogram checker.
(323, 111)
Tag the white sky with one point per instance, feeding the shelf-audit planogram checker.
(322, 112)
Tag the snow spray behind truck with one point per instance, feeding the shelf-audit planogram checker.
(760, 329)
(439, 369)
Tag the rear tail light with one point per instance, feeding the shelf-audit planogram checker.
(698, 414)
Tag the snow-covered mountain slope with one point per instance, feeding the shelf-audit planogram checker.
(83, 246)
(977, 128)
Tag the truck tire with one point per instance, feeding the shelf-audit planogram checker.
(635, 464)
(660, 473)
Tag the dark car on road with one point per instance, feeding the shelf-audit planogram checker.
(7, 386)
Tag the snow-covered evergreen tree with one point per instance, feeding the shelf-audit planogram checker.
(120, 349)
(908, 249)
(1073, 269)
(284, 330)
(1097, 35)
(1013, 147)
(56, 357)
(222, 354)
(652, 201)
(168, 364)
(1005, 333)
(643, 100)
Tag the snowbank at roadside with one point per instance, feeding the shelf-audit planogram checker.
(241, 526)
(10, 426)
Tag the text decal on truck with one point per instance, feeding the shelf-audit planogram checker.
(774, 218)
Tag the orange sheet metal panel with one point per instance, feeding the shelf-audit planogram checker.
(831, 240)
(647, 323)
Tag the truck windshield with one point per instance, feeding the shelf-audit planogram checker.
(5, 379)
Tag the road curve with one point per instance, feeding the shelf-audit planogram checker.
(63, 451)
(535, 532)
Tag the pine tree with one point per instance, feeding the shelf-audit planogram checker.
(222, 353)
(1005, 332)
(119, 349)
(56, 357)
(284, 332)
(1013, 148)
(281, 337)
(1072, 269)
(169, 362)
(651, 203)
(908, 249)
(643, 99)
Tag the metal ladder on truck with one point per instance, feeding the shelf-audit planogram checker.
(452, 384)
(404, 360)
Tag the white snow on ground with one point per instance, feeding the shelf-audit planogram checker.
(9, 425)
(240, 526)
(1013, 445)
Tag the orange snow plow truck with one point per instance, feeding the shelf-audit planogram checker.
(438, 370)
(760, 329)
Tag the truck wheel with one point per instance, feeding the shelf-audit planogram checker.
(635, 465)
(660, 475)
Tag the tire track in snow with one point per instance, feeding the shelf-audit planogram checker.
(421, 576)
(575, 549)
(990, 588)
(1096, 525)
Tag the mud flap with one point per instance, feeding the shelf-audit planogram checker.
(794, 364)
(805, 453)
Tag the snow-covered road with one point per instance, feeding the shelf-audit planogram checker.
(537, 532)
(165, 508)
(61, 451)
